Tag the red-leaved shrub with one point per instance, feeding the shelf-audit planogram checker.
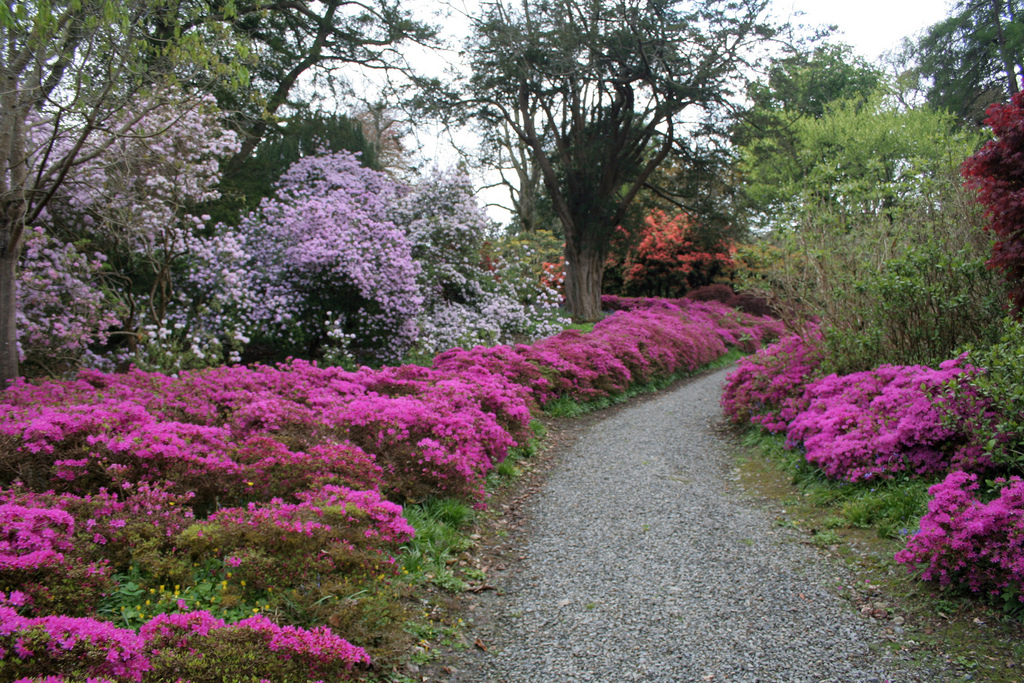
(995, 171)
(720, 293)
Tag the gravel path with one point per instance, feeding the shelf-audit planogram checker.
(643, 563)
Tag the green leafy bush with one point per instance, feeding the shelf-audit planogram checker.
(905, 288)
(996, 395)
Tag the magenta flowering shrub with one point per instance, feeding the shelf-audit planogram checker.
(332, 530)
(274, 471)
(237, 434)
(137, 525)
(880, 422)
(656, 344)
(965, 541)
(425, 449)
(111, 526)
(191, 646)
(71, 646)
(767, 388)
(33, 537)
(641, 341)
(579, 366)
(179, 630)
(256, 647)
(249, 489)
(509, 362)
(318, 646)
(735, 328)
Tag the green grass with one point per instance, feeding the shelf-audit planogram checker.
(893, 508)
(509, 469)
(440, 525)
(569, 407)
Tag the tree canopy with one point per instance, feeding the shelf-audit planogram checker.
(298, 39)
(974, 57)
(74, 72)
(595, 90)
(858, 159)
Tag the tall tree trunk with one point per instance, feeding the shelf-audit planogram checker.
(584, 272)
(8, 318)
(1009, 64)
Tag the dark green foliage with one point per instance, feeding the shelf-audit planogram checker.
(892, 507)
(802, 85)
(998, 430)
(806, 83)
(973, 57)
(921, 307)
(249, 181)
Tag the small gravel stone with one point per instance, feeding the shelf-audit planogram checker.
(645, 564)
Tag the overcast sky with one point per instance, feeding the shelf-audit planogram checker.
(870, 26)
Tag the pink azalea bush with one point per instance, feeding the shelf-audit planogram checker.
(628, 347)
(853, 427)
(767, 388)
(331, 530)
(185, 646)
(736, 328)
(256, 647)
(73, 646)
(33, 537)
(224, 434)
(880, 422)
(965, 541)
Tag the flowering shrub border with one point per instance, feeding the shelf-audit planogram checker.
(240, 481)
(899, 419)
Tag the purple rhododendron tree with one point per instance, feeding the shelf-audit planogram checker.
(321, 266)
(125, 199)
(62, 309)
(467, 301)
